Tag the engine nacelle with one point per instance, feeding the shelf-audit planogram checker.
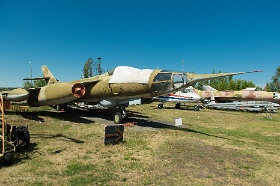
(17, 95)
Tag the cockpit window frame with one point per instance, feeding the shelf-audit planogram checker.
(163, 76)
(182, 80)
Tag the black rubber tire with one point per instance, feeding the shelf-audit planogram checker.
(196, 108)
(160, 106)
(118, 118)
(7, 159)
(178, 106)
(58, 107)
(23, 134)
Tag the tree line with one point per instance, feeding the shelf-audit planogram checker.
(226, 83)
(274, 86)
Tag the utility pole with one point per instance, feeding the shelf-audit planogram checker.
(31, 72)
(99, 70)
(183, 61)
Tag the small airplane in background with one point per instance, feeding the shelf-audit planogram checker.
(186, 95)
(248, 94)
(112, 89)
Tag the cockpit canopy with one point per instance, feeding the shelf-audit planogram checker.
(167, 81)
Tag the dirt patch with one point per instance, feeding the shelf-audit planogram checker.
(194, 159)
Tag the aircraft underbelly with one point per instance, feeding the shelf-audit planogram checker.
(119, 98)
(52, 102)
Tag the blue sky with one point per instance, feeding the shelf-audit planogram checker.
(219, 35)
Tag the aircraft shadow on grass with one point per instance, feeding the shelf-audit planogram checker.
(70, 115)
(143, 122)
(89, 116)
(19, 157)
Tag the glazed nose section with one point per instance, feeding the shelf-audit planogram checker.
(162, 84)
(179, 81)
(165, 82)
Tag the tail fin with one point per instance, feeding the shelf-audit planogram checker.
(209, 88)
(212, 98)
(50, 79)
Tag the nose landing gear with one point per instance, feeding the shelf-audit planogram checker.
(121, 115)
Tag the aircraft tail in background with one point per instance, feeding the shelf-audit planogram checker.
(48, 75)
(209, 88)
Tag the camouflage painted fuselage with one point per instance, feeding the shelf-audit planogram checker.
(102, 89)
(242, 95)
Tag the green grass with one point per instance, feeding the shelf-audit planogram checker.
(211, 148)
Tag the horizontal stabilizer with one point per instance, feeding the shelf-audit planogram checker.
(208, 88)
(39, 78)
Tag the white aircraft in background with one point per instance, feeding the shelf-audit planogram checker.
(186, 95)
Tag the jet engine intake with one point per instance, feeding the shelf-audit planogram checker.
(78, 90)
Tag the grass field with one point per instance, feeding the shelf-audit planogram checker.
(213, 147)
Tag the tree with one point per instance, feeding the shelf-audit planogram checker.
(87, 70)
(27, 85)
(35, 84)
(274, 86)
(225, 83)
(214, 82)
(39, 83)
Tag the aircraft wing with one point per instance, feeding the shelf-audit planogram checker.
(16, 95)
(88, 82)
(194, 78)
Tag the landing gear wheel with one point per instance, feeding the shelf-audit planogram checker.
(118, 118)
(7, 159)
(196, 108)
(60, 107)
(178, 106)
(22, 138)
(160, 106)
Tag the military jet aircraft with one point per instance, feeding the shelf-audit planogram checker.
(111, 89)
(255, 101)
(248, 94)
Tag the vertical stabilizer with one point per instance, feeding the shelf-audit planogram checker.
(212, 98)
(48, 75)
(209, 88)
